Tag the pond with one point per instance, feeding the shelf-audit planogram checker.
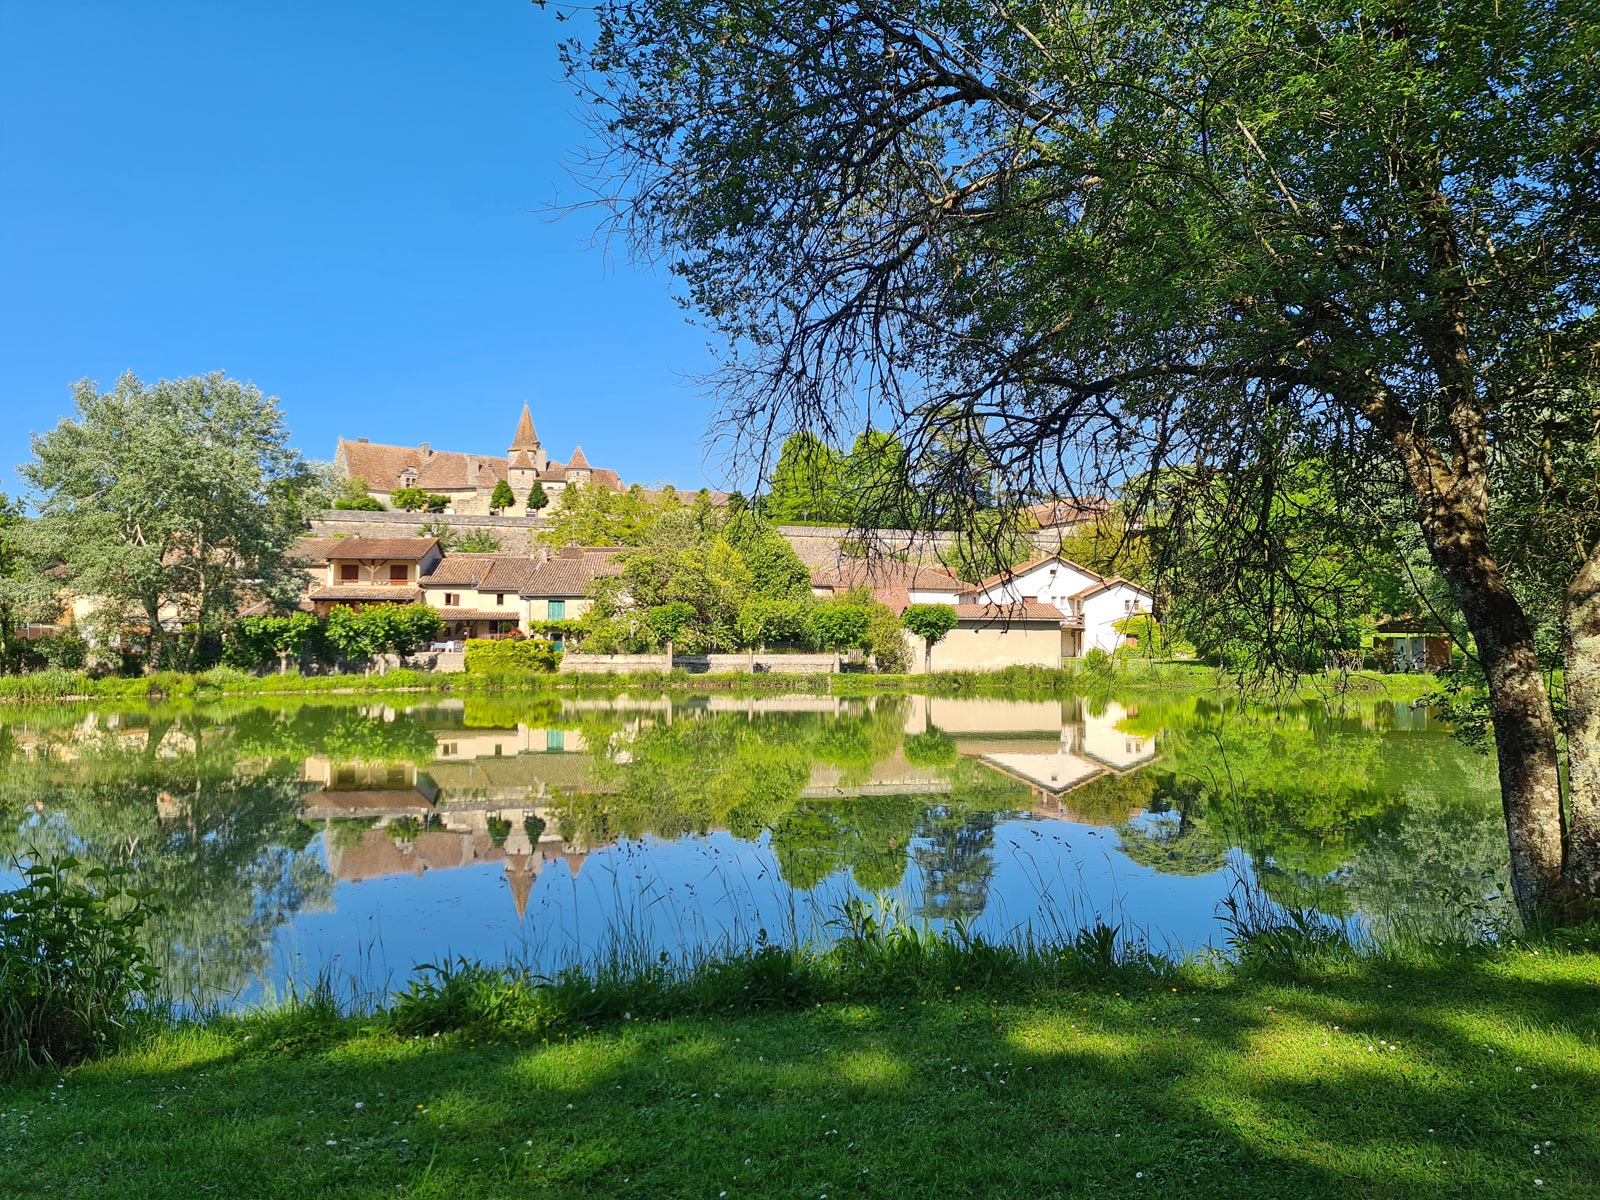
(358, 839)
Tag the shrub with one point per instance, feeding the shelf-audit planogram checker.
(506, 657)
(361, 504)
(409, 499)
(935, 748)
(72, 969)
(64, 651)
(499, 830)
(1097, 660)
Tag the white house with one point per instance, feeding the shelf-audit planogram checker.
(1089, 602)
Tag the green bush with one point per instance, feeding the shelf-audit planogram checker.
(72, 969)
(1097, 660)
(360, 504)
(504, 657)
(935, 748)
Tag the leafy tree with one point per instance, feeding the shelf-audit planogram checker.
(837, 626)
(1101, 240)
(502, 497)
(805, 482)
(874, 488)
(352, 493)
(478, 541)
(409, 499)
(668, 621)
(930, 622)
(170, 503)
(776, 572)
(886, 639)
(538, 498)
(762, 621)
(26, 593)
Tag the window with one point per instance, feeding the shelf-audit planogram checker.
(349, 573)
(500, 599)
(558, 610)
(452, 599)
(399, 573)
(555, 739)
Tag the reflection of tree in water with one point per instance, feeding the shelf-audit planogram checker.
(1174, 843)
(220, 844)
(954, 857)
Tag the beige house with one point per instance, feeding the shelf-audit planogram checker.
(989, 637)
(495, 595)
(363, 571)
(479, 595)
(467, 481)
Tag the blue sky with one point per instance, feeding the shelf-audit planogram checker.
(338, 201)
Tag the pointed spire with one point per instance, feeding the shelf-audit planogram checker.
(578, 460)
(526, 438)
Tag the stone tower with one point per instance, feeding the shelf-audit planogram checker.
(526, 458)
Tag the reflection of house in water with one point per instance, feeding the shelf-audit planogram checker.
(485, 798)
(1052, 746)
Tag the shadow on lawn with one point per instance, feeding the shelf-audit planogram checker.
(974, 1095)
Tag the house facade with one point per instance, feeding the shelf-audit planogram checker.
(467, 481)
(1090, 604)
(358, 572)
(496, 595)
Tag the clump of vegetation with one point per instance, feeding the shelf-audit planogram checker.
(508, 656)
(73, 971)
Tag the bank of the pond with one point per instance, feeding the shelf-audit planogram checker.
(66, 686)
(1476, 1075)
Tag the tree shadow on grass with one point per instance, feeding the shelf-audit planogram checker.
(1069, 1094)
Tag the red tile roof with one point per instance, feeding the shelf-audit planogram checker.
(313, 551)
(887, 573)
(1069, 512)
(459, 570)
(409, 549)
(1023, 568)
(578, 460)
(366, 592)
(478, 614)
(1001, 614)
(571, 574)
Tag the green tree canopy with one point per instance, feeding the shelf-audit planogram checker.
(1093, 241)
(170, 503)
(502, 496)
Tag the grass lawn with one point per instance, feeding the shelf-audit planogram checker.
(1478, 1079)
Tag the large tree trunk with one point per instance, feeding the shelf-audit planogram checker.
(1582, 618)
(1519, 704)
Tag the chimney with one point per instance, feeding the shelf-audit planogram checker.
(363, 441)
(472, 472)
(426, 453)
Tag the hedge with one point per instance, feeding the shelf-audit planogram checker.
(486, 657)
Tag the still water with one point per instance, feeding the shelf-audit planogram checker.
(288, 839)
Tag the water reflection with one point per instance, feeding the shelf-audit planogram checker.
(286, 837)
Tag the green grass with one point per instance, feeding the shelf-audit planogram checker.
(1360, 1079)
(57, 686)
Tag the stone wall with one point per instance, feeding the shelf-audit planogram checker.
(614, 664)
(700, 664)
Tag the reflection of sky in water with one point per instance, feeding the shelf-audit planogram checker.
(372, 900)
(652, 897)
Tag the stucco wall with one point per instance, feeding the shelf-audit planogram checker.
(973, 646)
(1104, 608)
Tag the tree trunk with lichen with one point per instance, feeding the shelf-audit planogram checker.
(1524, 721)
(1581, 870)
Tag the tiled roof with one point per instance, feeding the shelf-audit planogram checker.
(313, 551)
(1000, 614)
(356, 591)
(409, 549)
(570, 574)
(897, 599)
(1024, 568)
(507, 574)
(379, 465)
(1108, 583)
(459, 570)
(520, 459)
(887, 573)
(557, 473)
(1069, 512)
(448, 471)
(525, 438)
(578, 460)
(478, 614)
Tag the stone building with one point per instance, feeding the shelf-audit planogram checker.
(467, 481)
